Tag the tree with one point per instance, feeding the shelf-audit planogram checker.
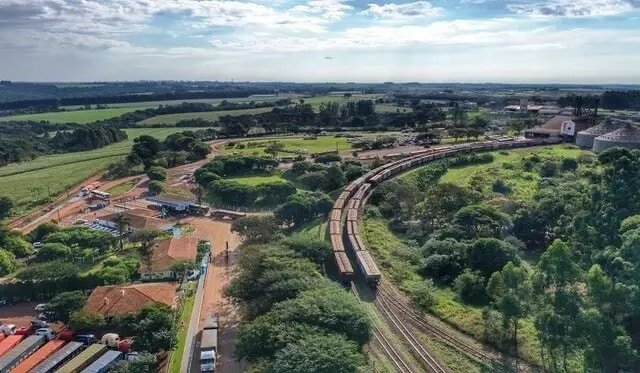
(6, 204)
(63, 304)
(471, 287)
(256, 229)
(423, 295)
(82, 320)
(181, 266)
(155, 187)
(43, 230)
(274, 148)
(548, 169)
(8, 263)
(316, 250)
(145, 363)
(489, 255)
(317, 353)
(334, 178)
(153, 328)
(569, 164)
(510, 292)
(54, 251)
(157, 173)
(122, 221)
(482, 221)
(146, 238)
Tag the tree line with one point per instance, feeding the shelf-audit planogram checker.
(22, 141)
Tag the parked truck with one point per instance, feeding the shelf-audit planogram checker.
(209, 345)
(9, 342)
(86, 357)
(14, 357)
(104, 362)
(39, 356)
(56, 360)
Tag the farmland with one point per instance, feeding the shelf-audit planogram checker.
(154, 104)
(293, 146)
(206, 115)
(73, 116)
(30, 183)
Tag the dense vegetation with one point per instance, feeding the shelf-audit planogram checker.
(295, 319)
(22, 141)
(578, 231)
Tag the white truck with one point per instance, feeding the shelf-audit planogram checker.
(209, 345)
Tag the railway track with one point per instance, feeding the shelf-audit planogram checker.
(424, 357)
(496, 359)
(388, 348)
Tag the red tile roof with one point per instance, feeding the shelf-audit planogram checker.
(168, 252)
(116, 300)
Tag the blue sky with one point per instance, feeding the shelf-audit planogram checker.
(556, 41)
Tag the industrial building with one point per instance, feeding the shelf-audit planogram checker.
(558, 126)
(609, 134)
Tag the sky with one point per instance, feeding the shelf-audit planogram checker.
(511, 41)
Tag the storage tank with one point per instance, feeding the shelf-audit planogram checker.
(625, 137)
(584, 139)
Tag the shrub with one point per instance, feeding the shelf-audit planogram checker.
(155, 187)
(423, 295)
(157, 173)
(328, 158)
(548, 169)
(569, 164)
(48, 270)
(471, 288)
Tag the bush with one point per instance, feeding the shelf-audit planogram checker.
(157, 173)
(569, 164)
(85, 321)
(548, 169)
(328, 158)
(8, 262)
(155, 187)
(471, 288)
(48, 270)
(53, 251)
(488, 255)
(423, 295)
(499, 186)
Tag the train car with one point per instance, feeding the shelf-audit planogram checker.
(39, 356)
(56, 360)
(336, 214)
(9, 342)
(86, 357)
(352, 228)
(14, 357)
(352, 214)
(368, 267)
(104, 362)
(353, 243)
(336, 242)
(335, 227)
(345, 269)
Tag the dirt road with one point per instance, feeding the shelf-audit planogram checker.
(219, 274)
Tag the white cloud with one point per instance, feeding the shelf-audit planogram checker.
(333, 10)
(574, 8)
(401, 12)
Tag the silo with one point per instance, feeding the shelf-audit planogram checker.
(584, 139)
(625, 137)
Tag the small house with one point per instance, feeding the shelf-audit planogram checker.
(118, 300)
(165, 254)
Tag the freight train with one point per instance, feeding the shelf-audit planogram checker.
(346, 241)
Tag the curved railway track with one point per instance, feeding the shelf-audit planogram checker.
(348, 245)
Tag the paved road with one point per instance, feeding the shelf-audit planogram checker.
(193, 327)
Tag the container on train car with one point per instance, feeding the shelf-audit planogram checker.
(345, 270)
(352, 214)
(56, 360)
(368, 267)
(83, 359)
(336, 215)
(39, 356)
(336, 242)
(335, 227)
(20, 352)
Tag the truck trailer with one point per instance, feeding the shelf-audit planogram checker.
(39, 356)
(104, 362)
(9, 342)
(209, 345)
(22, 351)
(56, 360)
(86, 357)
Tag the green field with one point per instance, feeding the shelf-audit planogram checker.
(386, 108)
(121, 189)
(206, 115)
(315, 101)
(155, 104)
(257, 180)
(30, 183)
(294, 146)
(74, 116)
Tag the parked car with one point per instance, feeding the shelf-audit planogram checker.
(48, 333)
(87, 339)
(38, 324)
(8, 329)
(41, 307)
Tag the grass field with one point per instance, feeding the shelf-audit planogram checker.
(384, 108)
(294, 145)
(257, 180)
(154, 104)
(29, 184)
(74, 116)
(183, 326)
(317, 100)
(121, 189)
(206, 115)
